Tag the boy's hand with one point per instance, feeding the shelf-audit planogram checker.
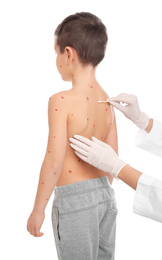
(34, 224)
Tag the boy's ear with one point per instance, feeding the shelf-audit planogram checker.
(69, 54)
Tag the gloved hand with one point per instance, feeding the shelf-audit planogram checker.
(131, 110)
(98, 154)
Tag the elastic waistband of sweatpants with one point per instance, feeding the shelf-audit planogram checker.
(83, 187)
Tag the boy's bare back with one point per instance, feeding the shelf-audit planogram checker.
(83, 115)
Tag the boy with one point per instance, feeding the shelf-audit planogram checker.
(84, 209)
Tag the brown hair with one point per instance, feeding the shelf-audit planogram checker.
(85, 33)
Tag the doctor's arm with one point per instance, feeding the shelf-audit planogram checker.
(149, 126)
(148, 195)
(149, 136)
(102, 156)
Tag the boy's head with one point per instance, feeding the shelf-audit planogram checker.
(86, 34)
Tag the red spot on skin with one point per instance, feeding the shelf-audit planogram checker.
(111, 123)
(87, 119)
(42, 182)
(54, 136)
(54, 173)
(70, 171)
(60, 66)
(72, 114)
(106, 109)
(72, 75)
(46, 199)
(101, 137)
(94, 125)
(49, 151)
(87, 98)
(50, 98)
(56, 109)
(91, 86)
(62, 97)
(79, 160)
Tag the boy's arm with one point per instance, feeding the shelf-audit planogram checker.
(53, 161)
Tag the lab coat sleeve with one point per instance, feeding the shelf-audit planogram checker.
(148, 198)
(151, 142)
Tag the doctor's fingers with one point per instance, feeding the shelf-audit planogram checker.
(80, 150)
(102, 147)
(81, 145)
(99, 144)
(118, 106)
(123, 97)
(83, 140)
(85, 159)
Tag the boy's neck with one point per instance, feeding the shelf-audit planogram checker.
(83, 76)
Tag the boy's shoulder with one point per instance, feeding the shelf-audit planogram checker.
(62, 95)
(61, 100)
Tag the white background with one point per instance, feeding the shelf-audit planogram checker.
(28, 77)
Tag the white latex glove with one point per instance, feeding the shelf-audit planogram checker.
(131, 110)
(98, 154)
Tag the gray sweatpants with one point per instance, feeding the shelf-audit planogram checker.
(84, 220)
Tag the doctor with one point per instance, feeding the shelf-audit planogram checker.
(148, 196)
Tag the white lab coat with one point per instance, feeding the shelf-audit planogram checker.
(148, 196)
